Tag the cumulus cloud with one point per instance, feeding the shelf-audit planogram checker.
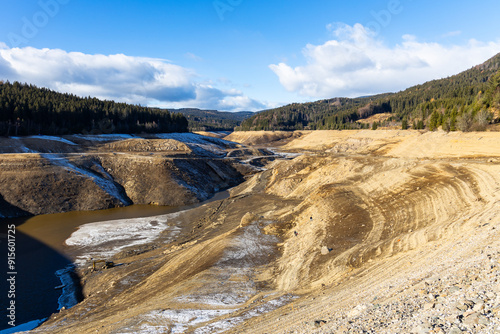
(140, 80)
(356, 63)
(209, 97)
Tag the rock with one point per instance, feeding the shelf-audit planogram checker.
(455, 330)
(491, 295)
(471, 320)
(319, 323)
(464, 305)
(324, 250)
(428, 306)
(478, 307)
(483, 320)
(422, 329)
(453, 319)
(357, 310)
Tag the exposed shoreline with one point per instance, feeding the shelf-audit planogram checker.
(381, 230)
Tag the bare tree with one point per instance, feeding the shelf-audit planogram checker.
(465, 122)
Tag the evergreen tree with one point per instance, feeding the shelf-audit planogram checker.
(404, 124)
(28, 110)
(434, 121)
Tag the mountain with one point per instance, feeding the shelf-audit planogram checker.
(29, 110)
(466, 101)
(212, 120)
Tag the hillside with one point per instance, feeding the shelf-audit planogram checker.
(466, 101)
(29, 110)
(354, 232)
(212, 120)
(94, 172)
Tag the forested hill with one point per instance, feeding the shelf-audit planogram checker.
(27, 110)
(213, 120)
(466, 101)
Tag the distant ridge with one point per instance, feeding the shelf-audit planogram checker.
(467, 101)
(213, 120)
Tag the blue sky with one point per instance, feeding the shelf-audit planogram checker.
(241, 54)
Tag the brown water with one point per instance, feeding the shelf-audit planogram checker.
(40, 252)
(52, 230)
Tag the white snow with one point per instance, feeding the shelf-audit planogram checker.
(59, 139)
(105, 183)
(104, 239)
(24, 149)
(225, 289)
(105, 137)
(178, 320)
(285, 155)
(24, 327)
(238, 260)
(248, 247)
(226, 324)
(198, 143)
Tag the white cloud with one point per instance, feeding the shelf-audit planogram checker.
(148, 81)
(356, 63)
(209, 97)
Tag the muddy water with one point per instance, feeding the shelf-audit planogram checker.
(53, 230)
(40, 252)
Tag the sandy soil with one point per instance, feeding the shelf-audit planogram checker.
(364, 231)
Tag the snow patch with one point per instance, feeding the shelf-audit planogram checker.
(285, 155)
(173, 321)
(106, 184)
(226, 324)
(105, 137)
(235, 270)
(105, 239)
(181, 320)
(249, 247)
(24, 149)
(200, 144)
(59, 139)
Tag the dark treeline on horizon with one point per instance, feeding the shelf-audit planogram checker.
(28, 110)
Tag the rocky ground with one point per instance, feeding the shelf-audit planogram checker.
(348, 232)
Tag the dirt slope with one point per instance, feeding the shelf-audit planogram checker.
(274, 138)
(100, 172)
(365, 231)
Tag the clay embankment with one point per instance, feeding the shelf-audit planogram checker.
(43, 174)
(375, 231)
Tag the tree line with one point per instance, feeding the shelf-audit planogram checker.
(466, 101)
(28, 110)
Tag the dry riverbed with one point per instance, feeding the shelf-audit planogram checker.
(359, 231)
